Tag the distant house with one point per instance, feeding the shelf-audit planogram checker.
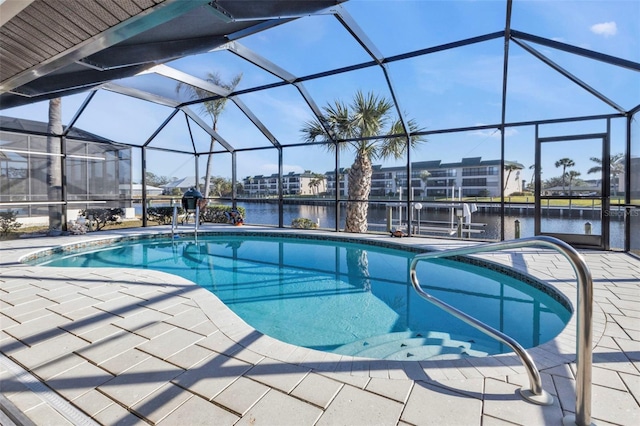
(182, 184)
(136, 190)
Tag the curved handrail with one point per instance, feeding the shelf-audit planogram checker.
(584, 317)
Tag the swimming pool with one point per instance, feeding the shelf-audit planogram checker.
(345, 297)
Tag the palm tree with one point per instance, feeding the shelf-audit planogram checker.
(616, 167)
(572, 175)
(509, 168)
(54, 165)
(364, 120)
(213, 108)
(564, 163)
(315, 182)
(424, 177)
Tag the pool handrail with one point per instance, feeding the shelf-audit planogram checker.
(584, 351)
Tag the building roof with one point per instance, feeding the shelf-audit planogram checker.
(39, 127)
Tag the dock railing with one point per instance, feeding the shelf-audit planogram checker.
(584, 351)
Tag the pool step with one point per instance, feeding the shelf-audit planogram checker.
(415, 346)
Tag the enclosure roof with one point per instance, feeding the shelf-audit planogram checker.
(52, 48)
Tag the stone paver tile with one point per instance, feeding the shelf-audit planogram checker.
(123, 305)
(241, 395)
(58, 365)
(104, 350)
(248, 356)
(10, 345)
(70, 308)
(38, 330)
(398, 390)
(162, 402)
(188, 319)
(197, 411)
(276, 408)
(140, 319)
(190, 356)
(317, 389)
(632, 381)
(469, 387)
(62, 293)
(492, 421)
(30, 310)
(565, 392)
(49, 350)
(95, 319)
(45, 415)
(92, 402)
(100, 333)
(612, 360)
(117, 415)
(177, 309)
(522, 380)
(220, 343)
(355, 381)
(630, 347)
(628, 323)
(212, 376)
(503, 401)
(206, 328)
(124, 361)
(441, 406)
(154, 330)
(278, 375)
(139, 381)
(170, 343)
(78, 380)
(614, 406)
(607, 378)
(354, 406)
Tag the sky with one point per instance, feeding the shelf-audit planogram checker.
(445, 90)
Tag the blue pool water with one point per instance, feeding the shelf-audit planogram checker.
(344, 297)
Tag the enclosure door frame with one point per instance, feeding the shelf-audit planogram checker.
(600, 241)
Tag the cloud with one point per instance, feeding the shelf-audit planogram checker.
(606, 29)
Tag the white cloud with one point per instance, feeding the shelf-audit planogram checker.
(606, 29)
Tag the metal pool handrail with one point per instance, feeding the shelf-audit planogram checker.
(584, 350)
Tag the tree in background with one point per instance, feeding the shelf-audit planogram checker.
(424, 177)
(155, 180)
(616, 167)
(366, 119)
(572, 177)
(54, 165)
(213, 108)
(316, 181)
(564, 163)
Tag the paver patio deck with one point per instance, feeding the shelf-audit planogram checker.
(129, 346)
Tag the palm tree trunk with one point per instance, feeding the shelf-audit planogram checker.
(54, 165)
(207, 172)
(359, 190)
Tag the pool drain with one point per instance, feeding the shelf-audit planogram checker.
(63, 407)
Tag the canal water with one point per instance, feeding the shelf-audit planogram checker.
(487, 225)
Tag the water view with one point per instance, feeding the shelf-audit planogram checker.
(434, 223)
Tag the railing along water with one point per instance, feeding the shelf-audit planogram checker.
(584, 350)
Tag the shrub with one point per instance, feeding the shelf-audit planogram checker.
(216, 213)
(303, 223)
(8, 222)
(103, 217)
(162, 215)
